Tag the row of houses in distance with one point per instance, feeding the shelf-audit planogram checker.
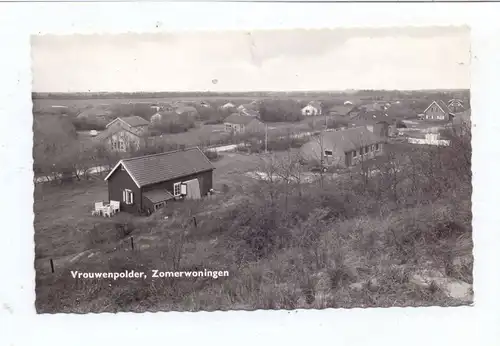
(146, 184)
(126, 133)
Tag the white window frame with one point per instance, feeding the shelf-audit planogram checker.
(177, 185)
(121, 143)
(128, 196)
(159, 205)
(330, 151)
(354, 153)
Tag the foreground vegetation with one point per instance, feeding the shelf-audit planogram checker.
(353, 241)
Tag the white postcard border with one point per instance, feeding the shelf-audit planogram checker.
(411, 326)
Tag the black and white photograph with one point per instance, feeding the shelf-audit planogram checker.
(252, 170)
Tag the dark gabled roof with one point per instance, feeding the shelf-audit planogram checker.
(350, 139)
(236, 118)
(156, 168)
(159, 195)
(133, 121)
(444, 106)
(441, 104)
(341, 109)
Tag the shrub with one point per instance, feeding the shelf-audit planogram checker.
(400, 124)
(280, 110)
(87, 125)
(212, 155)
(175, 124)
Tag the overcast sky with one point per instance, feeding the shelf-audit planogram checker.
(294, 60)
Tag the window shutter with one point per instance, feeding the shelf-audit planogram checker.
(131, 198)
(124, 196)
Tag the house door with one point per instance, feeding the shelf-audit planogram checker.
(348, 158)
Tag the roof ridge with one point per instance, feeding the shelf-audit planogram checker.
(160, 154)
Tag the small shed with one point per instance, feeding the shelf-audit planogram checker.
(146, 183)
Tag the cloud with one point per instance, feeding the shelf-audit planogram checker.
(265, 60)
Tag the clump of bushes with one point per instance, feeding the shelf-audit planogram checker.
(280, 111)
(87, 125)
(212, 155)
(172, 123)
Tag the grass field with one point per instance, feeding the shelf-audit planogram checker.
(200, 134)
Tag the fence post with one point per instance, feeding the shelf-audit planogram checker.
(52, 265)
(132, 242)
(195, 223)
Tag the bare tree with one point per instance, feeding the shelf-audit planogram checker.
(290, 172)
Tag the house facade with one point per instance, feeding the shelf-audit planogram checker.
(124, 134)
(343, 148)
(123, 141)
(312, 109)
(237, 123)
(437, 111)
(147, 183)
